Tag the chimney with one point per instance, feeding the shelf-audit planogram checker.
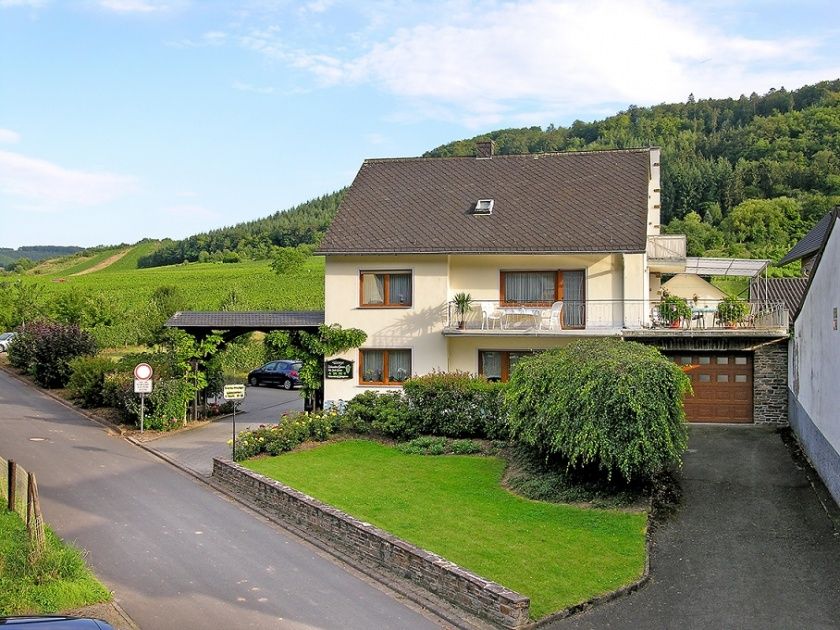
(484, 149)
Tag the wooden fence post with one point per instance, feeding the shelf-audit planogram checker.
(34, 519)
(12, 484)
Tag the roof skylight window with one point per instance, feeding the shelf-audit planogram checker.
(483, 206)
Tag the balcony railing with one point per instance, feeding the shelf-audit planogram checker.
(605, 315)
(666, 247)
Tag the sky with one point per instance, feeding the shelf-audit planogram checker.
(130, 119)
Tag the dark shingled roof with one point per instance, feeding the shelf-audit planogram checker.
(251, 320)
(811, 242)
(550, 202)
(788, 291)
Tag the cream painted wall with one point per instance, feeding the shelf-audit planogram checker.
(463, 351)
(636, 281)
(417, 328)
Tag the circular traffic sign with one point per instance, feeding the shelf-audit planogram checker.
(143, 371)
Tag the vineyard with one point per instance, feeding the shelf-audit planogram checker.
(125, 291)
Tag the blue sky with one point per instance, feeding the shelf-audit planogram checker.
(124, 119)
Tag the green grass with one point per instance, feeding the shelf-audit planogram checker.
(59, 580)
(129, 261)
(558, 555)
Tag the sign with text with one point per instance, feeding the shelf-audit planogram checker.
(234, 392)
(338, 368)
(142, 386)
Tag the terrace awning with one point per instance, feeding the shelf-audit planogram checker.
(747, 267)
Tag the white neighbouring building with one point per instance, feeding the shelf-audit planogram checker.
(550, 248)
(814, 377)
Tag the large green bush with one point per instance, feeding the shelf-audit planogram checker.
(456, 404)
(45, 348)
(602, 404)
(386, 413)
(87, 380)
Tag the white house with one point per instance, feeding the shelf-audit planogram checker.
(814, 378)
(549, 248)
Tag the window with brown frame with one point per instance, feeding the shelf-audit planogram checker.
(385, 289)
(497, 365)
(543, 288)
(384, 367)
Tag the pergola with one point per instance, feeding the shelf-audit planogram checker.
(232, 324)
(744, 267)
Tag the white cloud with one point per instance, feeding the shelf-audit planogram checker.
(247, 87)
(135, 6)
(47, 186)
(7, 136)
(22, 3)
(480, 65)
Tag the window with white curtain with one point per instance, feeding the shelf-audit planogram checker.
(385, 288)
(384, 367)
(497, 365)
(529, 286)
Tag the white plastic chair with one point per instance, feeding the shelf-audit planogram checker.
(490, 314)
(554, 320)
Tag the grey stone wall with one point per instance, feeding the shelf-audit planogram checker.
(770, 383)
(377, 550)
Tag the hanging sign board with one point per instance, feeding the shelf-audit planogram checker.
(234, 392)
(338, 368)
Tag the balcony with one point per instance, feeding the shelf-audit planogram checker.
(666, 252)
(611, 317)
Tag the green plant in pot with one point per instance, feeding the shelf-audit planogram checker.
(463, 305)
(673, 309)
(732, 311)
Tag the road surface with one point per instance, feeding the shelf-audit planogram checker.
(177, 554)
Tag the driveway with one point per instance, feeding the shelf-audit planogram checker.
(751, 546)
(196, 448)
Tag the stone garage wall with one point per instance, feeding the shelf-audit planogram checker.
(770, 383)
(376, 549)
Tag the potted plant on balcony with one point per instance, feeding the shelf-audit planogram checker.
(463, 305)
(673, 310)
(732, 311)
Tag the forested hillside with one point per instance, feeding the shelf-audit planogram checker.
(302, 225)
(740, 177)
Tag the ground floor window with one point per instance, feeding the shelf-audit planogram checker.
(497, 365)
(384, 367)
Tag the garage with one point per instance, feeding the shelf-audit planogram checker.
(723, 386)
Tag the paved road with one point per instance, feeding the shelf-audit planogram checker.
(196, 448)
(751, 546)
(177, 554)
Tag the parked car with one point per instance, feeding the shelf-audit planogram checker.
(5, 340)
(283, 374)
(55, 622)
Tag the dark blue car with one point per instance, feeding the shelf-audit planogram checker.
(55, 622)
(285, 374)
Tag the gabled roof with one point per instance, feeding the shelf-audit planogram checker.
(550, 202)
(830, 220)
(811, 242)
(788, 291)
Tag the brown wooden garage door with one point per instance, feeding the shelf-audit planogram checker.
(723, 386)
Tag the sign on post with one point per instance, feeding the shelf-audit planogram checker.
(142, 385)
(234, 392)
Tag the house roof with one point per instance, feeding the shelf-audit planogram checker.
(830, 220)
(550, 202)
(811, 243)
(788, 291)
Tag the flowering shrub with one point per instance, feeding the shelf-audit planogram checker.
(291, 431)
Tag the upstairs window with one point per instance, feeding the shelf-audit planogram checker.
(529, 287)
(385, 289)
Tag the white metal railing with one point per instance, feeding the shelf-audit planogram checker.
(666, 247)
(492, 316)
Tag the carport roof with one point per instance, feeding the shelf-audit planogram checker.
(251, 320)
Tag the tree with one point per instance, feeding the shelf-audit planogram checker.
(288, 260)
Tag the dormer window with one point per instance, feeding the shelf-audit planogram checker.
(483, 206)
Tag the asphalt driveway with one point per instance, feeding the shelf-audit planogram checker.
(750, 547)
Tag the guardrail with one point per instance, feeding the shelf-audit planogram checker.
(492, 316)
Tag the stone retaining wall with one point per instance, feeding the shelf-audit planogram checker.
(770, 383)
(376, 549)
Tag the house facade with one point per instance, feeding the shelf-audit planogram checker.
(815, 352)
(548, 248)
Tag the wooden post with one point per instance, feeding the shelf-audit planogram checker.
(12, 484)
(34, 519)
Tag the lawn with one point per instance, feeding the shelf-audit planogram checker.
(59, 580)
(558, 555)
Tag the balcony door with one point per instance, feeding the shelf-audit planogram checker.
(573, 284)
